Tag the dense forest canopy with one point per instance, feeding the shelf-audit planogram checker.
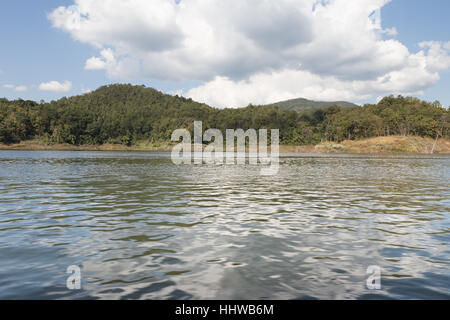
(124, 114)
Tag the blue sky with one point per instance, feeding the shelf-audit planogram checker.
(35, 52)
(417, 21)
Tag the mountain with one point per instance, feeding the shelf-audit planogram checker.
(128, 115)
(301, 104)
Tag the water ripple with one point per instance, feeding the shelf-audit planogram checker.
(142, 228)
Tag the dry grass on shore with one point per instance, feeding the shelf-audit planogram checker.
(388, 145)
(36, 145)
(378, 145)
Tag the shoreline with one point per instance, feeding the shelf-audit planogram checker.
(378, 145)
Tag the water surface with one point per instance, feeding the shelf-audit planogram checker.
(142, 228)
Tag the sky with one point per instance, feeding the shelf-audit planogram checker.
(228, 53)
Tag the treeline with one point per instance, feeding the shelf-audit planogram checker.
(391, 116)
(125, 114)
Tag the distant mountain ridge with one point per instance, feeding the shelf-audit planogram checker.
(302, 104)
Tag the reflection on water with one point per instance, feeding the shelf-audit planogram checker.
(142, 228)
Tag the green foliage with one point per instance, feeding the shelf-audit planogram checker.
(391, 116)
(15, 122)
(125, 114)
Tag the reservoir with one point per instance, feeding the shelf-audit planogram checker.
(140, 227)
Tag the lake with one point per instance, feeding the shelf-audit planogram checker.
(140, 227)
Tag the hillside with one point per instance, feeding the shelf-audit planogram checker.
(301, 104)
(128, 115)
(119, 113)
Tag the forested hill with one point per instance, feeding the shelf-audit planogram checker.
(125, 114)
(111, 114)
(301, 104)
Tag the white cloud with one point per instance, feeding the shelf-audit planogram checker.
(391, 31)
(107, 59)
(265, 88)
(95, 63)
(238, 47)
(20, 88)
(56, 86)
(436, 55)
